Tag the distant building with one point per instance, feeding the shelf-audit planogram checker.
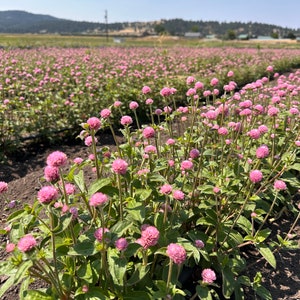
(210, 36)
(264, 37)
(243, 37)
(193, 35)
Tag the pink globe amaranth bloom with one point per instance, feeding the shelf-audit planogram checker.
(280, 185)
(148, 132)
(211, 114)
(150, 149)
(178, 195)
(199, 244)
(133, 105)
(119, 166)
(167, 109)
(70, 188)
(254, 134)
(88, 141)
(149, 101)
(216, 189)
(186, 165)
(105, 113)
(294, 111)
(158, 111)
(146, 90)
(165, 92)
(273, 111)
(214, 81)
(3, 187)
(47, 194)
(206, 93)
(74, 212)
(263, 129)
(94, 123)
(126, 120)
(143, 172)
(297, 143)
(51, 173)
(170, 142)
(121, 244)
(149, 236)
(176, 253)
(117, 103)
(269, 69)
(57, 159)
(230, 74)
(255, 176)
(223, 131)
(191, 92)
(190, 80)
(262, 151)
(98, 234)
(26, 243)
(165, 189)
(98, 199)
(194, 153)
(171, 163)
(208, 276)
(10, 247)
(199, 85)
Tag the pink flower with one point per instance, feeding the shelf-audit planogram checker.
(194, 153)
(3, 187)
(230, 74)
(206, 93)
(273, 111)
(279, 185)
(146, 90)
(70, 188)
(269, 69)
(178, 195)
(10, 247)
(199, 244)
(297, 143)
(214, 82)
(165, 92)
(256, 176)
(149, 101)
(126, 120)
(216, 189)
(94, 123)
(105, 113)
(191, 92)
(88, 141)
(176, 253)
(186, 165)
(208, 276)
(165, 189)
(98, 199)
(199, 85)
(190, 80)
(119, 166)
(148, 132)
(47, 194)
(98, 234)
(74, 212)
(149, 236)
(133, 105)
(223, 131)
(263, 129)
(150, 149)
(254, 133)
(262, 151)
(121, 244)
(170, 142)
(51, 173)
(117, 103)
(211, 114)
(26, 243)
(57, 159)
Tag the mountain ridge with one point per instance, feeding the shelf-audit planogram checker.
(18, 21)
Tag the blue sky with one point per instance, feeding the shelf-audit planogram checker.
(278, 12)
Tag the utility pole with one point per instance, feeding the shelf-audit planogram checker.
(106, 25)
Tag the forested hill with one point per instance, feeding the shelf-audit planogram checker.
(24, 22)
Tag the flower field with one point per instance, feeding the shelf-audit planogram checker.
(209, 159)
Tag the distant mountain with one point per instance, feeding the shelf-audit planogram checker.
(24, 22)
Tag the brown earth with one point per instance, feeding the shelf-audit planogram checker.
(25, 168)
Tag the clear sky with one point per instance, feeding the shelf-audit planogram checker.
(278, 12)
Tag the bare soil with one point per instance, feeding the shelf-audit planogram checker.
(24, 169)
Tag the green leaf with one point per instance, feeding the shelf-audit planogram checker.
(98, 185)
(267, 254)
(139, 273)
(117, 266)
(120, 227)
(85, 272)
(262, 235)
(203, 292)
(244, 224)
(79, 180)
(228, 282)
(63, 224)
(5, 267)
(37, 295)
(22, 271)
(17, 215)
(263, 292)
(136, 210)
(6, 285)
(86, 248)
